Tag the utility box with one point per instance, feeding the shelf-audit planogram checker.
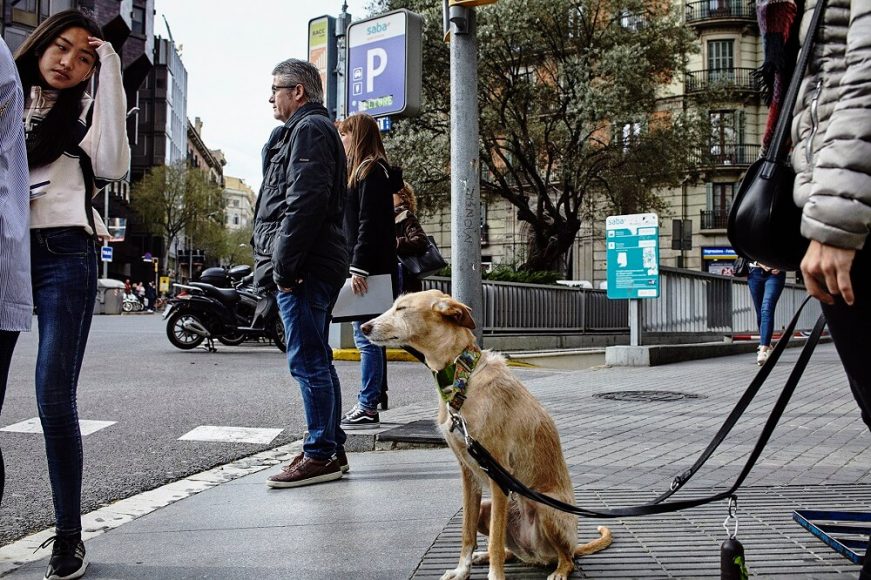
(110, 295)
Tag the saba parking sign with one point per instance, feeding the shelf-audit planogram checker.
(385, 59)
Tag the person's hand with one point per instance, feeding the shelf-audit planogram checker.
(826, 271)
(359, 285)
(95, 42)
(284, 290)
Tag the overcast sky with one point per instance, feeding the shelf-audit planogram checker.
(229, 49)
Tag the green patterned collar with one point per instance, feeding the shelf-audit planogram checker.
(454, 378)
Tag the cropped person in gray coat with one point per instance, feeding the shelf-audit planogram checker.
(832, 157)
(16, 298)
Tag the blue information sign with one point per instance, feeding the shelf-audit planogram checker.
(106, 253)
(633, 255)
(384, 64)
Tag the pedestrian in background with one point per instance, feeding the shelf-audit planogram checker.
(299, 249)
(16, 302)
(150, 296)
(410, 238)
(831, 130)
(72, 141)
(766, 285)
(369, 230)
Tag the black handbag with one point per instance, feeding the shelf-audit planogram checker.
(764, 222)
(425, 264)
(741, 269)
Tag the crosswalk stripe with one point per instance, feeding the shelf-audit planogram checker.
(231, 434)
(87, 426)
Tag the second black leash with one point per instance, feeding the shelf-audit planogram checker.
(509, 484)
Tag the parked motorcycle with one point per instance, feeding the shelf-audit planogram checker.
(224, 306)
(131, 303)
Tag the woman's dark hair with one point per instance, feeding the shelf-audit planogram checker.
(57, 132)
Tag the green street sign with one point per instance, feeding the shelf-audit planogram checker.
(632, 243)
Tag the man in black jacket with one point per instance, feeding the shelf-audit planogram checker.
(300, 251)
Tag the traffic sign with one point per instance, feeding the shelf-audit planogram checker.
(633, 255)
(106, 253)
(385, 61)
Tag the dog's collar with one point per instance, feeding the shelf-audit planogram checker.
(454, 378)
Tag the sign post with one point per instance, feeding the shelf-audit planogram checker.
(106, 256)
(633, 263)
(322, 53)
(385, 60)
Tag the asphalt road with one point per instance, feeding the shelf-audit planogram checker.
(155, 394)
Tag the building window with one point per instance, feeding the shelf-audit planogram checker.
(726, 136)
(235, 220)
(137, 17)
(14, 37)
(720, 198)
(721, 60)
(26, 12)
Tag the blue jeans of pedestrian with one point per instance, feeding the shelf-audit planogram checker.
(765, 289)
(307, 311)
(372, 369)
(64, 272)
(7, 345)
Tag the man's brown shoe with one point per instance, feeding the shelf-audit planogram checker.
(307, 471)
(342, 458)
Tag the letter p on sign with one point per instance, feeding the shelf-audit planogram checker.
(376, 63)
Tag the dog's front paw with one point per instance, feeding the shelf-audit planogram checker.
(557, 576)
(458, 573)
(480, 558)
(494, 575)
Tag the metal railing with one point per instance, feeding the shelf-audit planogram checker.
(726, 155)
(720, 10)
(714, 219)
(727, 78)
(689, 303)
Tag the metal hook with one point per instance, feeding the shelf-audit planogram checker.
(458, 421)
(732, 514)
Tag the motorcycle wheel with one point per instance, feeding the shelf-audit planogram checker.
(278, 335)
(232, 339)
(178, 336)
(126, 306)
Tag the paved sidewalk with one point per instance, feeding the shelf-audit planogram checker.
(395, 515)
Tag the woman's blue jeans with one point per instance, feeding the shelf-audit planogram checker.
(306, 312)
(64, 272)
(372, 369)
(765, 289)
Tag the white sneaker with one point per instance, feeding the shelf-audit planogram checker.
(762, 354)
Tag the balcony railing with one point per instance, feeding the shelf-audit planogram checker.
(734, 79)
(726, 155)
(699, 12)
(714, 219)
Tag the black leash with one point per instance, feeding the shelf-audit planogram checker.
(509, 484)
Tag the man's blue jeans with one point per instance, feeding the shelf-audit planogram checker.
(64, 272)
(307, 312)
(372, 369)
(765, 289)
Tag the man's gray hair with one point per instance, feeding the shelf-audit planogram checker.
(293, 71)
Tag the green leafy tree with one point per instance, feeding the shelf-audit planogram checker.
(172, 199)
(571, 106)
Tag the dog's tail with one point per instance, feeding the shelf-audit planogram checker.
(596, 545)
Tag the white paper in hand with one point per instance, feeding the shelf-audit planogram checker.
(377, 300)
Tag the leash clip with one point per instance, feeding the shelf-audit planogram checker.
(733, 514)
(458, 421)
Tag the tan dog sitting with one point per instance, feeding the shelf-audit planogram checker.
(508, 421)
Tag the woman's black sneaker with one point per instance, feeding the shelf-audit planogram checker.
(68, 560)
(358, 418)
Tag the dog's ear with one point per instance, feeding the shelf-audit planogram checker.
(456, 311)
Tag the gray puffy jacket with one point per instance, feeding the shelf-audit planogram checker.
(831, 127)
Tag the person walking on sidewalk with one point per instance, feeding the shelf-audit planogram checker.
(831, 130)
(74, 142)
(299, 250)
(766, 285)
(369, 229)
(410, 238)
(16, 300)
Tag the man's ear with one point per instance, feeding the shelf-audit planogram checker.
(455, 311)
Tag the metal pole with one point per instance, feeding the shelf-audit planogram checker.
(465, 182)
(342, 23)
(634, 322)
(190, 259)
